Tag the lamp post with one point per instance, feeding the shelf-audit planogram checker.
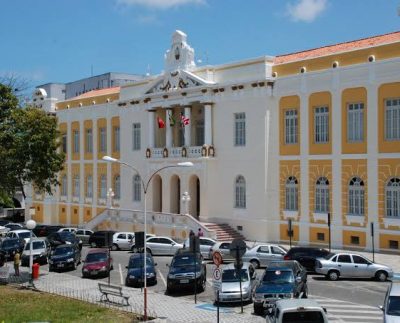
(186, 200)
(145, 186)
(30, 224)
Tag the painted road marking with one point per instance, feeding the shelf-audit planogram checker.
(120, 274)
(162, 277)
(213, 308)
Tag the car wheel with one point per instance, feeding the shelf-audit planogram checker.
(93, 244)
(169, 290)
(74, 266)
(202, 286)
(255, 263)
(149, 251)
(114, 247)
(333, 275)
(381, 276)
(305, 292)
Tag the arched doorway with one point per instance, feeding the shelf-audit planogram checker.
(157, 193)
(175, 193)
(194, 192)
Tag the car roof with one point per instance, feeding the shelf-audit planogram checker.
(282, 264)
(295, 303)
(140, 255)
(20, 230)
(97, 250)
(65, 245)
(395, 289)
(232, 266)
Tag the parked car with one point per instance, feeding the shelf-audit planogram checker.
(162, 246)
(101, 239)
(261, 255)
(185, 271)
(281, 279)
(297, 310)
(21, 234)
(223, 247)
(14, 226)
(135, 270)
(58, 238)
(306, 256)
(40, 252)
(84, 235)
(123, 240)
(43, 230)
(9, 247)
(64, 256)
(351, 265)
(134, 248)
(73, 230)
(391, 305)
(4, 222)
(97, 263)
(230, 285)
(205, 246)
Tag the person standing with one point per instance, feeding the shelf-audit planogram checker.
(200, 233)
(17, 262)
(191, 234)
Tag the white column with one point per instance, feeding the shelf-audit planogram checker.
(82, 168)
(168, 132)
(109, 132)
(188, 128)
(151, 121)
(208, 124)
(69, 171)
(95, 152)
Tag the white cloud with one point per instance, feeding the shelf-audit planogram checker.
(147, 19)
(159, 4)
(306, 10)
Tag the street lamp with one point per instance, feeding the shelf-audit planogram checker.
(30, 224)
(186, 200)
(145, 186)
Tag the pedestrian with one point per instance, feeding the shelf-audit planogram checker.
(17, 261)
(191, 234)
(200, 233)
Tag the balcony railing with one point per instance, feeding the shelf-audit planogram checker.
(181, 152)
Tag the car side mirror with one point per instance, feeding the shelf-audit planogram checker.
(298, 279)
(324, 308)
(382, 308)
(126, 267)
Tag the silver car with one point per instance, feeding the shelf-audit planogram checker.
(162, 246)
(391, 306)
(222, 247)
(84, 235)
(205, 246)
(263, 254)
(352, 265)
(123, 240)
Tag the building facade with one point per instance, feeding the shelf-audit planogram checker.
(311, 137)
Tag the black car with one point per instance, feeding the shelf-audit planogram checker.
(306, 256)
(4, 222)
(186, 270)
(43, 230)
(64, 256)
(101, 239)
(9, 247)
(58, 238)
(135, 270)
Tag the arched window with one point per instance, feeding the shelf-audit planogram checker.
(356, 196)
(76, 192)
(64, 186)
(240, 192)
(103, 186)
(137, 188)
(393, 198)
(89, 186)
(322, 195)
(117, 187)
(291, 194)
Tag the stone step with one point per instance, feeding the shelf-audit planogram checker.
(224, 231)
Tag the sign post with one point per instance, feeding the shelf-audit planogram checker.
(237, 249)
(329, 230)
(290, 232)
(373, 242)
(217, 277)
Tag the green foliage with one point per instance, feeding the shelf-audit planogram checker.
(28, 146)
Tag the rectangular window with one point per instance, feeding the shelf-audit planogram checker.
(64, 143)
(199, 132)
(89, 186)
(355, 122)
(116, 139)
(136, 136)
(89, 140)
(321, 125)
(103, 140)
(240, 129)
(76, 141)
(354, 239)
(291, 124)
(393, 244)
(320, 236)
(392, 119)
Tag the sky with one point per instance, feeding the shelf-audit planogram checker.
(65, 40)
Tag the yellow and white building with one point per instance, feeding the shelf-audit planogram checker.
(294, 136)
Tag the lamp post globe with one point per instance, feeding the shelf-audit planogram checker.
(31, 224)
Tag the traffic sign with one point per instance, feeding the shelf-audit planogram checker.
(217, 258)
(238, 248)
(217, 278)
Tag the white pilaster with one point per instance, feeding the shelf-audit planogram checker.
(151, 121)
(188, 128)
(95, 152)
(208, 124)
(109, 132)
(82, 167)
(168, 129)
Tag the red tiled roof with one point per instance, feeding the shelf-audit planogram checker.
(90, 94)
(338, 48)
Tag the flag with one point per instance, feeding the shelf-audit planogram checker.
(171, 119)
(161, 123)
(184, 120)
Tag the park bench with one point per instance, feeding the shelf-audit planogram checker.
(113, 290)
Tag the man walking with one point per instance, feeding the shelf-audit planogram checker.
(200, 233)
(17, 261)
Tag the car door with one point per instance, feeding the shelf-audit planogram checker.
(205, 245)
(224, 250)
(345, 265)
(361, 267)
(154, 245)
(277, 253)
(263, 254)
(120, 239)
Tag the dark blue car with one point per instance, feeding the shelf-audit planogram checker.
(9, 246)
(65, 256)
(135, 273)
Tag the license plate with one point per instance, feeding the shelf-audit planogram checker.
(94, 272)
(60, 265)
(184, 281)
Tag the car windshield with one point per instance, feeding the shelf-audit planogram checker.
(9, 243)
(63, 251)
(393, 307)
(67, 236)
(138, 262)
(329, 256)
(24, 235)
(278, 276)
(35, 245)
(303, 317)
(182, 261)
(231, 275)
(95, 257)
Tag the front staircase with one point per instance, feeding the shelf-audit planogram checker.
(224, 231)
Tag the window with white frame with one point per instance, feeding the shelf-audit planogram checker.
(322, 195)
(392, 119)
(116, 139)
(291, 194)
(117, 187)
(136, 136)
(355, 122)
(199, 132)
(321, 125)
(240, 192)
(356, 196)
(76, 191)
(240, 129)
(89, 186)
(64, 143)
(89, 140)
(137, 188)
(64, 185)
(393, 198)
(103, 140)
(103, 186)
(291, 126)
(76, 141)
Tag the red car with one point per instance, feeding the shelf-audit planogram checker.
(97, 263)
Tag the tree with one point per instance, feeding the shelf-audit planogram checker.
(29, 143)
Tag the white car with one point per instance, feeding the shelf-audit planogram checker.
(263, 254)
(21, 234)
(391, 306)
(123, 240)
(73, 230)
(162, 246)
(205, 246)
